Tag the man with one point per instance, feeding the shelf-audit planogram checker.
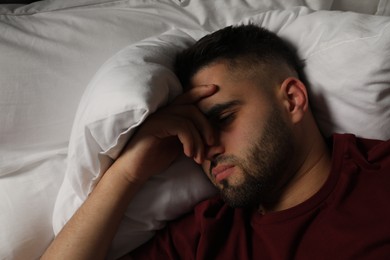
(245, 117)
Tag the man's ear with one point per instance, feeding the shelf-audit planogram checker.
(294, 97)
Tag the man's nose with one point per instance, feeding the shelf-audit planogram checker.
(213, 151)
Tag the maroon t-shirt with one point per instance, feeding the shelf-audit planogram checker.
(348, 218)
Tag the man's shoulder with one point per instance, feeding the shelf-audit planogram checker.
(366, 153)
(371, 148)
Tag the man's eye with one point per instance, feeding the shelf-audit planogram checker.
(226, 119)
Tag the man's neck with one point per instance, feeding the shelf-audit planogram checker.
(311, 174)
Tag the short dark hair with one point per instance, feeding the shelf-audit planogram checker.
(249, 43)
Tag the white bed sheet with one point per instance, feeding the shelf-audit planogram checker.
(27, 201)
(49, 51)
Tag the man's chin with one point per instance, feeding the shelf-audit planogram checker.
(236, 197)
(249, 194)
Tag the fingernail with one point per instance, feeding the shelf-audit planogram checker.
(196, 160)
(211, 86)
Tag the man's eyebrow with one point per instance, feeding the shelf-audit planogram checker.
(217, 109)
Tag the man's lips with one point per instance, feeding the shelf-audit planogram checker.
(222, 171)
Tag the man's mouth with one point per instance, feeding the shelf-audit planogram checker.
(221, 172)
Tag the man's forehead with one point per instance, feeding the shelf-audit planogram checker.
(209, 74)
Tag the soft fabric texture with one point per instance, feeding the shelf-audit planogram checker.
(348, 69)
(26, 207)
(126, 89)
(345, 219)
(50, 50)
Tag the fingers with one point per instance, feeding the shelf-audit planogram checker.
(183, 119)
(200, 122)
(191, 127)
(195, 94)
(191, 97)
(169, 125)
(193, 145)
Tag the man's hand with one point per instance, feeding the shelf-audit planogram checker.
(89, 233)
(180, 126)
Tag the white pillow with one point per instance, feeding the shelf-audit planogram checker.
(347, 66)
(127, 88)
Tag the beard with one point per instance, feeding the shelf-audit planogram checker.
(263, 167)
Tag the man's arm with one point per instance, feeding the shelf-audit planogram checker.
(89, 233)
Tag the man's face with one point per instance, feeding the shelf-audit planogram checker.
(253, 140)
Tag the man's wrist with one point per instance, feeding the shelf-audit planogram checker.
(133, 164)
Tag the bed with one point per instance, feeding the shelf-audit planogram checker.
(78, 76)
